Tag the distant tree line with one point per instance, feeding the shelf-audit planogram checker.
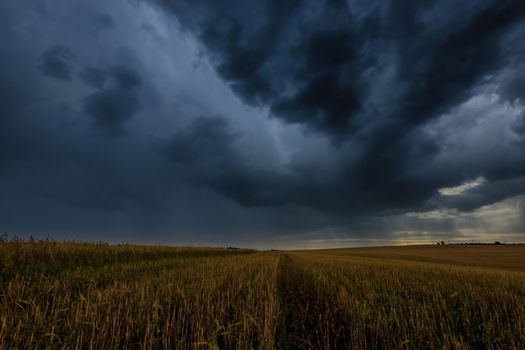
(476, 243)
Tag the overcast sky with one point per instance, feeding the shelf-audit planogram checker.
(263, 123)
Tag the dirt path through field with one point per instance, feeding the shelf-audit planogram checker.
(288, 333)
(307, 320)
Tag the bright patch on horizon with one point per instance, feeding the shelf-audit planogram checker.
(456, 190)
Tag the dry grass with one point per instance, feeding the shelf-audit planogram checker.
(68, 295)
(50, 257)
(214, 299)
(395, 297)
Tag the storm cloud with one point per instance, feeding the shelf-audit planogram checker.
(319, 63)
(94, 77)
(110, 107)
(55, 62)
(369, 76)
(263, 122)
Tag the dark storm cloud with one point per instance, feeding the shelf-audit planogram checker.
(344, 114)
(126, 78)
(56, 62)
(371, 75)
(519, 125)
(513, 87)
(95, 77)
(442, 66)
(206, 140)
(13, 98)
(337, 49)
(328, 95)
(110, 107)
(103, 21)
(207, 152)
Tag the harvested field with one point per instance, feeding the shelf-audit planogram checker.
(70, 295)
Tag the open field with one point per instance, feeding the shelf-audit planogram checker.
(71, 295)
(485, 256)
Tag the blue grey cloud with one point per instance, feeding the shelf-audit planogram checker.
(56, 62)
(254, 121)
(112, 106)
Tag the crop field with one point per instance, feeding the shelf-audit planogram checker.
(98, 296)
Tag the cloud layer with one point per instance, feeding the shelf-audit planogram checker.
(261, 122)
(374, 78)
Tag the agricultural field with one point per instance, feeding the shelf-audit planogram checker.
(99, 296)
